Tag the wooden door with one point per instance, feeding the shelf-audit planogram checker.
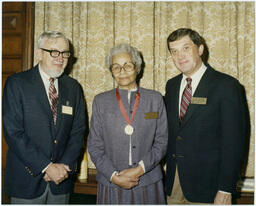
(17, 49)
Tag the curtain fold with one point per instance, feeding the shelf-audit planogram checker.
(94, 27)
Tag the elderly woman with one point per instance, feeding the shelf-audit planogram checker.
(128, 135)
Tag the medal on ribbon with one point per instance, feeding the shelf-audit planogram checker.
(128, 128)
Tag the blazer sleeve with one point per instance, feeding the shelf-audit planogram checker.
(77, 133)
(96, 146)
(13, 124)
(159, 147)
(233, 136)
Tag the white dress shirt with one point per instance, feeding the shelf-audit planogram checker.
(196, 77)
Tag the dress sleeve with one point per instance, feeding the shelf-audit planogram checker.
(96, 145)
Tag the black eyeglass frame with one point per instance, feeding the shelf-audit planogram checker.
(58, 52)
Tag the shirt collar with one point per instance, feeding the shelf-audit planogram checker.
(198, 74)
(130, 90)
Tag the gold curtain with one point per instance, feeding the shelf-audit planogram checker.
(94, 27)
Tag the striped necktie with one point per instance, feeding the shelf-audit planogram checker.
(54, 99)
(186, 98)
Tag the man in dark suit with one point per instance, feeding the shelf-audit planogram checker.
(44, 125)
(206, 121)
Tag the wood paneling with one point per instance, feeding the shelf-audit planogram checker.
(12, 22)
(12, 7)
(12, 46)
(11, 65)
(17, 49)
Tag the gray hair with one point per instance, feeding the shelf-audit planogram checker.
(50, 35)
(125, 48)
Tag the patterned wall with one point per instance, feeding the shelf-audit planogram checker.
(94, 27)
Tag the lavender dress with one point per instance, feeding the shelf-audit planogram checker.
(113, 150)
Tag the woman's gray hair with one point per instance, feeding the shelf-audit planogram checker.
(125, 48)
(50, 35)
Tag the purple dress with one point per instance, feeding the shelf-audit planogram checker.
(113, 150)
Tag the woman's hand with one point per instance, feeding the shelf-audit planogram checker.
(128, 178)
(133, 172)
(125, 181)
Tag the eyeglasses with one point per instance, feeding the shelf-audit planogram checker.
(56, 53)
(128, 66)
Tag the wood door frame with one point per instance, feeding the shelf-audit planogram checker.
(28, 56)
(27, 37)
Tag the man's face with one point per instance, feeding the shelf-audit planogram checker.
(53, 66)
(186, 55)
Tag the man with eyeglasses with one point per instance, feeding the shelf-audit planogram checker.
(44, 126)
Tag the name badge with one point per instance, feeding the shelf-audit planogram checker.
(151, 115)
(199, 100)
(67, 110)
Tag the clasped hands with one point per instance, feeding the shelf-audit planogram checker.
(128, 178)
(56, 172)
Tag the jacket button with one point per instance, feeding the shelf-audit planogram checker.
(55, 141)
(173, 155)
(133, 147)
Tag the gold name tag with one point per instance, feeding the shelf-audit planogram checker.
(199, 100)
(151, 115)
(67, 110)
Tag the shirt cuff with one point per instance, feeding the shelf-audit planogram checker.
(141, 163)
(46, 167)
(114, 173)
(224, 192)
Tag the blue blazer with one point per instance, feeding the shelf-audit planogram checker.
(32, 138)
(207, 146)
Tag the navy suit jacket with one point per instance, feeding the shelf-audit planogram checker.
(32, 138)
(207, 146)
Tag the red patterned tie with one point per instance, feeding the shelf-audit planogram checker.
(54, 99)
(186, 98)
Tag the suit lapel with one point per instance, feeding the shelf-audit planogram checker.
(176, 99)
(201, 91)
(61, 98)
(173, 100)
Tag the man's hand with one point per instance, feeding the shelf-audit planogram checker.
(56, 172)
(125, 181)
(46, 178)
(223, 199)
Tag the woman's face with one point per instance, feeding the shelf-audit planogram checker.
(126, 77)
